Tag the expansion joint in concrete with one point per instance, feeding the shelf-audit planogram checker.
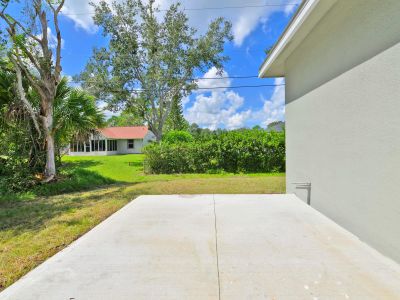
(216, 249)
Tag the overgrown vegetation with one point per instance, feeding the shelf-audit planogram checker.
(22, 149)
(34, 60)
(39, 112)
(238, 151)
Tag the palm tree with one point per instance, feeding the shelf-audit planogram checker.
(76, 115)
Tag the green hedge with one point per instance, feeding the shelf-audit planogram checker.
(240, 151)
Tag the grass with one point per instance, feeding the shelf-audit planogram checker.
(36, 225)
(117, 168)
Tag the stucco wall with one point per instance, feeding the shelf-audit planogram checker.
(123, 147)
(139, 144)
(343, 119)
(348, 35)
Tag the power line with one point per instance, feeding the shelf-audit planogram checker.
(225, 77)
(203, 8)
(238, 7)
(239, 86)
(219, 87)
(204, 78)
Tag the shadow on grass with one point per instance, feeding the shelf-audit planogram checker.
(69, 180)
(73, 180)
(80, 164)
(32, 215)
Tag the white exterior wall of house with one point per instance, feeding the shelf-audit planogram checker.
(138, 144)
(122, 147)
(343, 119)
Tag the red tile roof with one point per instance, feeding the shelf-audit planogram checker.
(136, 132)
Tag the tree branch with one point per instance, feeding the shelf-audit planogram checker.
(21, 93)
(44, 42)
(11, 31)
(56, 11)
(27, 74)
(16, 22)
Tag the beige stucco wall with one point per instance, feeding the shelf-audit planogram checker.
(343, 119)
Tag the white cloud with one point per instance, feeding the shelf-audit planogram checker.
(216, 108)
(220, 109)
(274, 108)
(244, 20)
(213, 80)
(81, 12)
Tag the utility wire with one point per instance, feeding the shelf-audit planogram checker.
(203, 8)
(217, 87)
(225, 77)
(205, 78)
(239, 86)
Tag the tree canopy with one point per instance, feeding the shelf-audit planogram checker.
(126, 118)
(151, 57)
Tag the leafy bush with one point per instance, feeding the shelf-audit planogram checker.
(20, 160)
(177, 136)
(15, 176)
(240, 151)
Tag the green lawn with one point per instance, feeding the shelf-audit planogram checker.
(113, 167)
(36, 225)
(117, 168)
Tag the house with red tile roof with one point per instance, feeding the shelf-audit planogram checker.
(114, 140)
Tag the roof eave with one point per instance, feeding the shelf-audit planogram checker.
(273, 66)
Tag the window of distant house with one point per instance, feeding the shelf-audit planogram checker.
(102, 145)
(77, 147)
(131, 144)
(98, 145)
(111, 145)
(95, 146)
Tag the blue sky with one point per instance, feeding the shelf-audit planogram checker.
(254, 29)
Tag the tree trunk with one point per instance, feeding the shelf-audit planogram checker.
(50, 169)
(155, 130)
(158, 135)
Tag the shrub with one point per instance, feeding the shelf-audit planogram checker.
(177, 136)
(246, 151)
(15, 176)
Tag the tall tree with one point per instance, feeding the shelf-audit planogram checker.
(126, 118)
(151, 57)
(176, 120)
(35, 58)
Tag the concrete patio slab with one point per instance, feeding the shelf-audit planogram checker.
(276, 247)
(214, 247)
